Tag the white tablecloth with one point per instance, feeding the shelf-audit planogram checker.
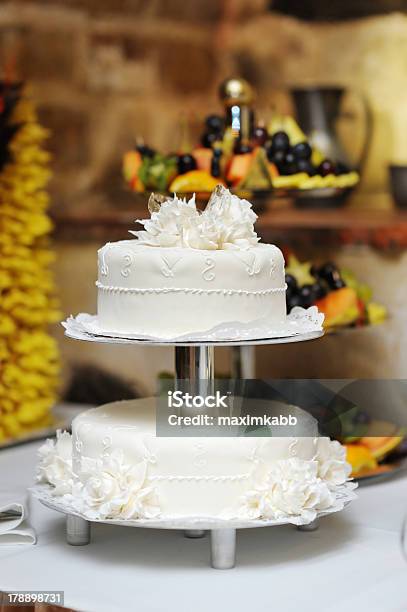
(352, 563)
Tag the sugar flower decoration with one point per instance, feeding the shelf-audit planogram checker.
(111, 488)
(332, 465)
(55, 463)
(291, 488)
(226, 223)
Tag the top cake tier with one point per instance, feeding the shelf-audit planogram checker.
(188, 272)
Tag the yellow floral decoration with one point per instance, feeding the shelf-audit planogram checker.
(29, 360)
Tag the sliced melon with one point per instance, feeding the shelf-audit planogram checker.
(258, 174)
(286, 123)
(239, 168)
(291, 181)
(381, 446)
(195, 180)
(340, 307)
(203, 158)
(273, 170)
(300, 270)
(360, 458)
(376, 313)
(131, 163)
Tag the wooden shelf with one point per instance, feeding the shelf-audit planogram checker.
(338, 219)
(385, 230)
(380, 229)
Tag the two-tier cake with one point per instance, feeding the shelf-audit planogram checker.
(189, 271)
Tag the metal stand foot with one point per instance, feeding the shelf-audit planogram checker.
(223, 548)
(194, 533)
(313, 526)
(77, 531)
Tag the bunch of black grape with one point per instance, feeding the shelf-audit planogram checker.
(292, 159)
(327, 278)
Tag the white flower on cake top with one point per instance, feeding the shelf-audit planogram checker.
(226, 223)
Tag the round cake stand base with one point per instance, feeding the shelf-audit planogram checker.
(222, 531)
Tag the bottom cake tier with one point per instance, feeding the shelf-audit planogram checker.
(115, 466)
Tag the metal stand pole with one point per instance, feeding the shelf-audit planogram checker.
(223, 548)
(195, 363)
(313, 526)
(77, 530)
(243, 362)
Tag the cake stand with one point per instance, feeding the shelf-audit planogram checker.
(223, 532)
(194, 360)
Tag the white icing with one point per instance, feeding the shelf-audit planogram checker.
(106, 443)
(292, 449)
(188, 290)
(200, 455)
(127, 262)
(206, 478)
(168, 267)
(102, 257)
(207, 272)
(226, 223)
(272, 267)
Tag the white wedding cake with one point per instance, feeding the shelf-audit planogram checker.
(115, 467)
(190, 271)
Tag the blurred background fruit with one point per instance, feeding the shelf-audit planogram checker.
(243, 152)
(29, 357)
(337, 293)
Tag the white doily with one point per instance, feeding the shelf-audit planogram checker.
(299, 321)
(344, 494)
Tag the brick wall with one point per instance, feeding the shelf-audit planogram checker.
(107, 71)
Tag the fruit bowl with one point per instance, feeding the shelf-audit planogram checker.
(254, 160)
